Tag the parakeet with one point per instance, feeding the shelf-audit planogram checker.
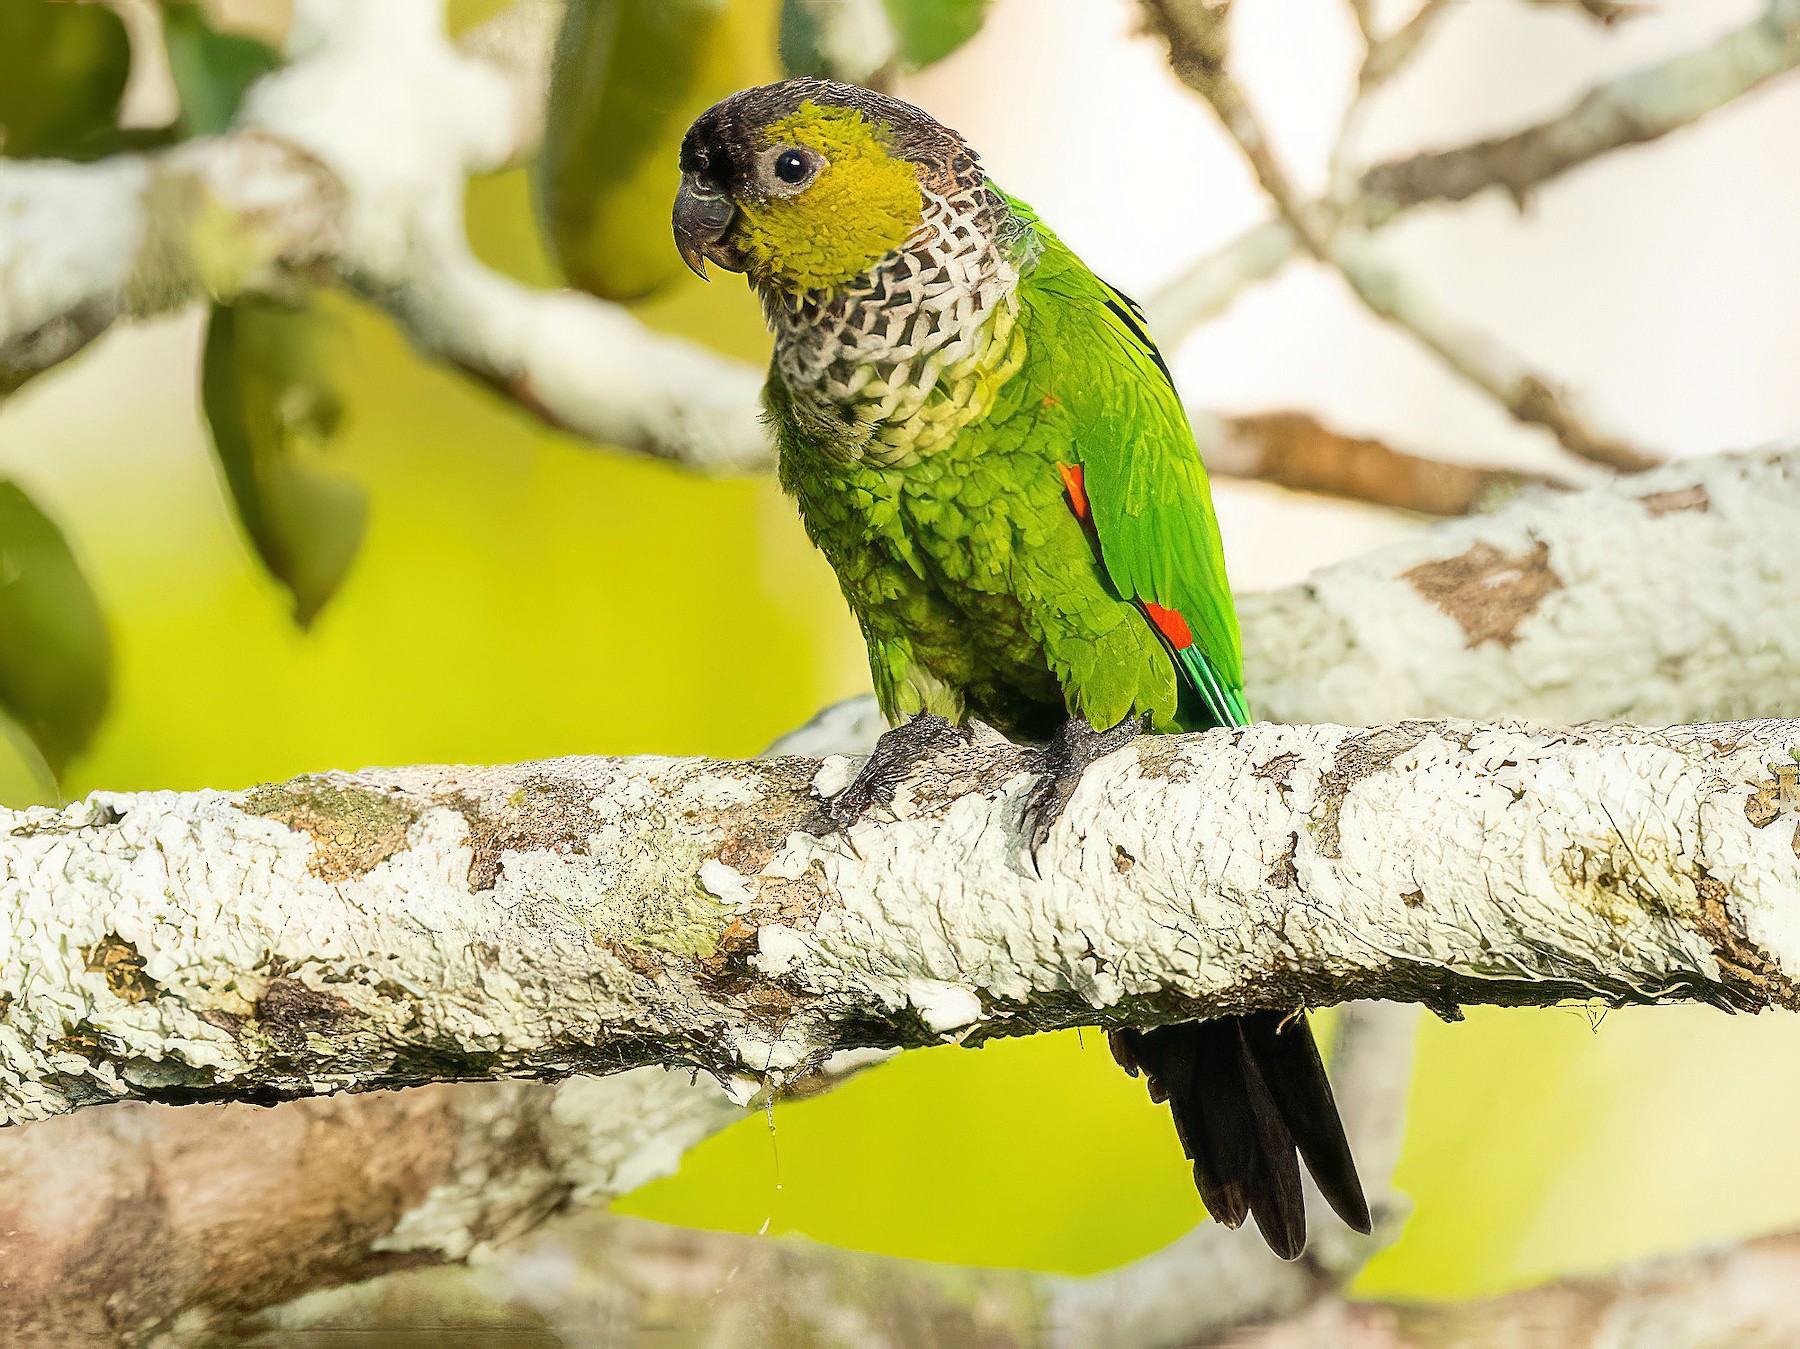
(986, 445)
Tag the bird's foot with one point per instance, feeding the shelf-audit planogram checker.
(1075, 746)
(897, 753)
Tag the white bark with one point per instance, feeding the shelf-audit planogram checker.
(395, 926)
(1660, 598)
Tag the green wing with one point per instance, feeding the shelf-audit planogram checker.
(1151, 505)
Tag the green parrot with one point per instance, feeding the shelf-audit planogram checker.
(985, 443)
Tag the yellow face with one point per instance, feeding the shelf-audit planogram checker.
(827, 198)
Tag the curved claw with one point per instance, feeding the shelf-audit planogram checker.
(1076, 746)
(897, 754)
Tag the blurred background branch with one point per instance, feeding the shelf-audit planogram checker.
(1197, 33)
(639, 1282)
(626, 1279)
(1640, 106)
(161, 1224)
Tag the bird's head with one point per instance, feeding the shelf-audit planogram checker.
(806, 184)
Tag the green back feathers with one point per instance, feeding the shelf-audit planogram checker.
(1151, 502)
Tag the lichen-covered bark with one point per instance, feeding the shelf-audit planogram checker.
(401, 926)
(1659, 598)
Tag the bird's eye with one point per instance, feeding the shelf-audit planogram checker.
(791, 167)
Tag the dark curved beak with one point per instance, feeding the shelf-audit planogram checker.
(703, 220)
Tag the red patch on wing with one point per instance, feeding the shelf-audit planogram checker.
(1170, 624)
(1072, 479)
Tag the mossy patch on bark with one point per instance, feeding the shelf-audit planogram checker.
(353, 829)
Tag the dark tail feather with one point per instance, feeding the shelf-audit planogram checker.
(1220, 1136)
(1276, 1198)
(1247, 1095)
(1284, 1048)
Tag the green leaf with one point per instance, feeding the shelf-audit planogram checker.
(799, 39)
(62, 71)
(212, 70)
(55, 654)
(273, 410)
(929, 30)
(924, 31)
(629, 76)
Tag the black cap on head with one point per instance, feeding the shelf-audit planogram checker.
(721, 147)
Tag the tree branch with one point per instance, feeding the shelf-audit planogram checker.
(1657, 599)
(1384, 57)
(1641, 106)
(1479, 357)
(349, 164)
(734, 1292)
(1296, 451)
(1738, 1295)
(117, 1226)
(1208, 287)
(350, 932)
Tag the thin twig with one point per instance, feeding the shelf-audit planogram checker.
(1642, 106)
(1207, 288)
(1481, 359)
(1601, 11)
(1383, 58)
(1387, 55)
(1198, 53)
